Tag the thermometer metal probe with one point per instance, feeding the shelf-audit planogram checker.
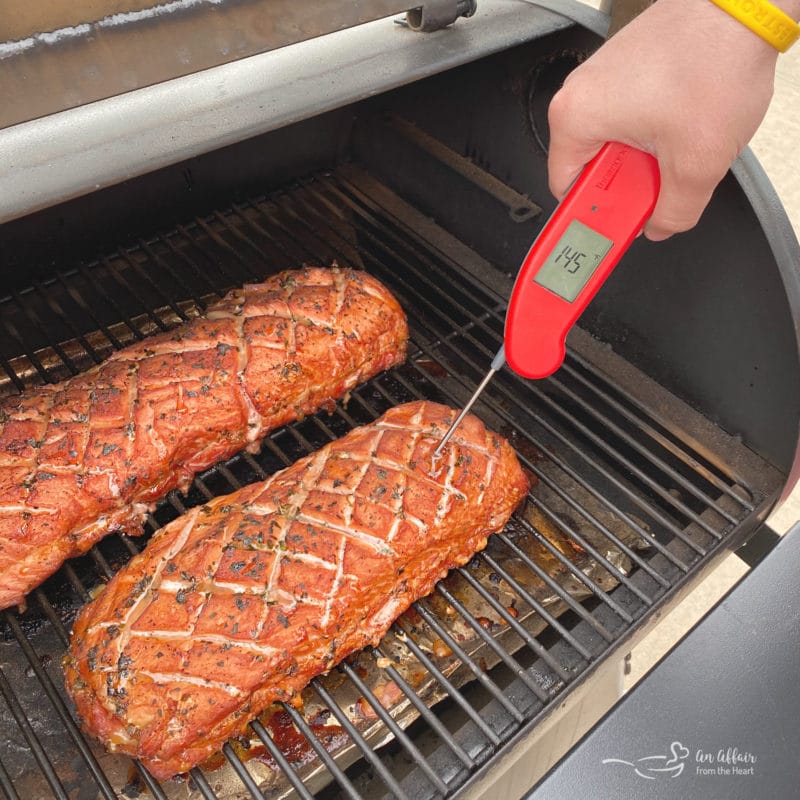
(571, 258)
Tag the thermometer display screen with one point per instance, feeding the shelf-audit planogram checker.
(573, 261)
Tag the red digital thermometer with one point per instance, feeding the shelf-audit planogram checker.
(574, 254)
(570, 260)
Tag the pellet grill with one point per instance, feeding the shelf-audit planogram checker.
(154, 156)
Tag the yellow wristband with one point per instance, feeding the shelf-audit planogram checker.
(769, 22)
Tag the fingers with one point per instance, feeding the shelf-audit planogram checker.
(569, 153)
(690, 166)
(683, 197)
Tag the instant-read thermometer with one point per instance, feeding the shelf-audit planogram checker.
(571, 259)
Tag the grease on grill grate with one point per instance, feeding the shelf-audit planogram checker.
(620, 511)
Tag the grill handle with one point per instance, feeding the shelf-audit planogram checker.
(438, 14)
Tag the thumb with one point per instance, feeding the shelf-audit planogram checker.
(570, 150)
(565, 160)
(681, 201)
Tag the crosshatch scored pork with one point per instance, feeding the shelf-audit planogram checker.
(240, 602)
(85, 457)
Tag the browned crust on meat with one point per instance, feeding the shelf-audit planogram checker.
(85, 457)
(241, 602)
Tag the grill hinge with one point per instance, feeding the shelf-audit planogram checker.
(438, 14)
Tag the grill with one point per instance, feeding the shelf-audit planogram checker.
(640, 481)
(624, 506)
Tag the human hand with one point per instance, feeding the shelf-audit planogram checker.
(683, 81)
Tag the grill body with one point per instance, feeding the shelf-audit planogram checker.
(660, 445)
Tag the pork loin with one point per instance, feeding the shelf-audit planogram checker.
(85, 457)
(240, 602)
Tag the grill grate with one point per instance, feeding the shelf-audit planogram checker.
(623, 510)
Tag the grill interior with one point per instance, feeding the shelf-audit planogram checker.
(629, 502)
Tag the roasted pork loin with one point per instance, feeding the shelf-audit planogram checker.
(240, 602)
(85, 457)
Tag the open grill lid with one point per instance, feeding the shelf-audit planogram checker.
(91, 50)
(92, 145)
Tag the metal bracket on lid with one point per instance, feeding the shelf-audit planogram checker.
(438, 14)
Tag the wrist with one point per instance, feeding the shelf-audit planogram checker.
(722, 31)
(773, 22)
(790, 7)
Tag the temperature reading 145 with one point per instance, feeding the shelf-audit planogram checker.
(573, 260)
(570, 258)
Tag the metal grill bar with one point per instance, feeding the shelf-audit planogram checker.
(509, 660)
(590, 584)
(150, 782)
(212, 234)
(14, 334)
(75, 582)
(79, 301)
(34, 319)
(19, 385)
(52, 617)
(540, 573)
(482, 677)
(58, 311)
(219, 265)
(36, 748)
(186, 290)
(202, 784)
(397, 732)
(667, 444)
(147, 280)
(325, 756)
(510, 621)
(211, 277)
(456, 324)
(129, 291)
(109, 301)
(449, 687)
(61, 709)
(539, 608)
(607, 533)
(431, 719)
(709, 465)
(627, 463)
(281, 761)
(653, 458)
(6, 785)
